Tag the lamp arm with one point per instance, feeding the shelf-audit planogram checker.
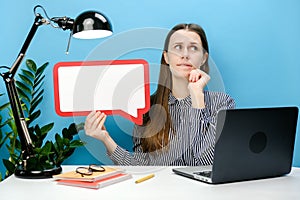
(26, 143)
(39, 20)
(8, 77)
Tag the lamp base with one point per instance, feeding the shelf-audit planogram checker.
(20, 172)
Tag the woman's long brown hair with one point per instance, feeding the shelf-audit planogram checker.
(157, 122)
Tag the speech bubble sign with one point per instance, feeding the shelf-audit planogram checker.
(112, 86)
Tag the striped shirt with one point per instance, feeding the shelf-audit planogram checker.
(194, 138)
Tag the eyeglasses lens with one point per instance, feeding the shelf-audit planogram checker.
(84, 171)
(97, 168)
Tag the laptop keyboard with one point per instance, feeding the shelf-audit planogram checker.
(204, 173)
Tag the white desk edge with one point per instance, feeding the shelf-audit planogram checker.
(165, 185)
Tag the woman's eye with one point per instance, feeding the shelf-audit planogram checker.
(194, 48)
(177, 47)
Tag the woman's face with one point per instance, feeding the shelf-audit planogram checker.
(185, 53)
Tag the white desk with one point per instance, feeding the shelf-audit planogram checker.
(165, 185)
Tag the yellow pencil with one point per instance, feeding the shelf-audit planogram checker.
(144, 178)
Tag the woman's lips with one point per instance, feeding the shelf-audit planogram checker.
(184, 65)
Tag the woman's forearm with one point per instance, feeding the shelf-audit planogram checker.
(109, 143)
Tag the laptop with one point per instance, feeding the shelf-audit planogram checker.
(251, 143)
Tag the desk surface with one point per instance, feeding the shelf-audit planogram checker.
(165, 185)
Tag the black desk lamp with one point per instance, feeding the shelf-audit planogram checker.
(88, 25)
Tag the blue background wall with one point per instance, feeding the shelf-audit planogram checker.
(255, 45)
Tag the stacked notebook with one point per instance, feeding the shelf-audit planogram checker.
(96, 180)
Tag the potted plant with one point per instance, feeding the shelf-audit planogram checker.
(47, 153)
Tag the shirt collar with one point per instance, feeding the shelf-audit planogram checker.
(186, 101)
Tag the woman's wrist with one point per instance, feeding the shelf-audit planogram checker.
(198, 100)
(109, 143)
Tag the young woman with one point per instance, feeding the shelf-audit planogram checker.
(179, 129)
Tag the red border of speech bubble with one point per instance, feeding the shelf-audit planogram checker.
(141, 111)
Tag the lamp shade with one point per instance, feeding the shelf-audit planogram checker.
(91, 25)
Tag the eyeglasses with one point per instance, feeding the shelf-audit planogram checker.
(87, 171)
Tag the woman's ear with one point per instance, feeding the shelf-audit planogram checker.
(205, 57)
(166, 57)
(204, 67)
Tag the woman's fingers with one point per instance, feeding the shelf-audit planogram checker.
(102, 120)
(195, 75)
(95, 120)
(198, 80)
(94, 125)
(91, 120)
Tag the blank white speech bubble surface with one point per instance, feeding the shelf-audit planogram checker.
(113, 87)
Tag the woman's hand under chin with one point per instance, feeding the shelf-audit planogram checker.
(197, 81)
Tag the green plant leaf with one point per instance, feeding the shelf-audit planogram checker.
(2, 107)
(39, 77)
(26, 80)
(41, 69)
(73, 128)
(23, 95)
(34, 116)
(38, 81)
(3, 140)
(37, 94)
(28, 74)
(35, 103)
(46, 149)
(76, 143)
(59, 141)
(66, 133)
(10, 167)
(25, 109)
(6, 122)
(45, 129)
(66, 142)
(31, 65)
(37, 90)
(36, 138)
(23, 87)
